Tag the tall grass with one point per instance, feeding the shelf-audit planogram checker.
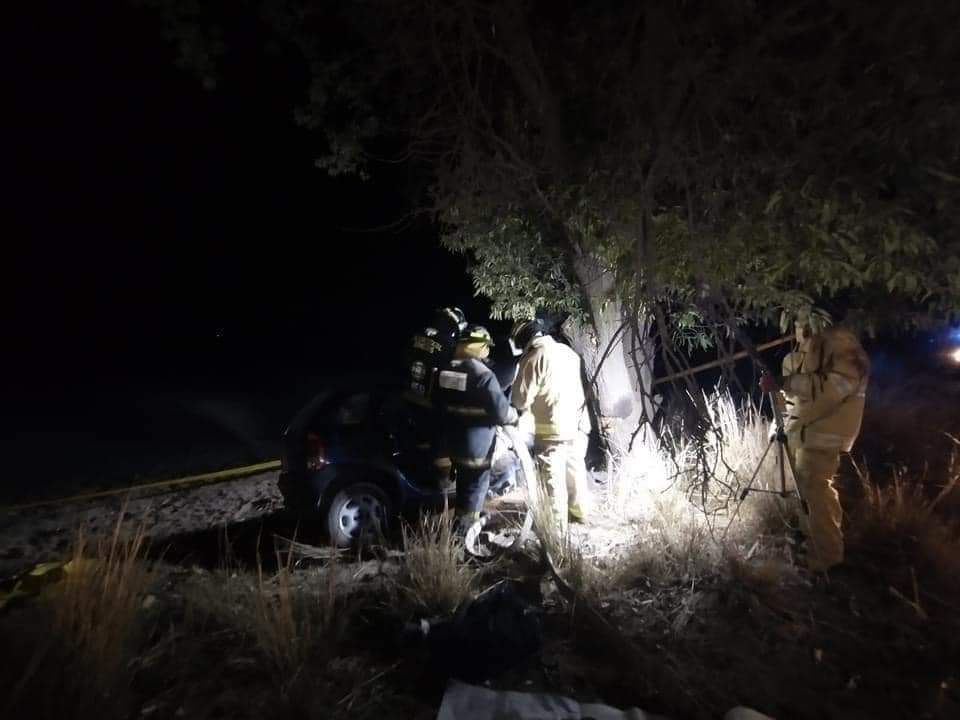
(294, 623)
(293, 617)
(90, 623)
(562, 549)
(434, 579)
(899, 526)
(678, 502)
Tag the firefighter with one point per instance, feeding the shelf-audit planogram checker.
(549, 385)
(431, 349)
(472, 404)
(824, 398)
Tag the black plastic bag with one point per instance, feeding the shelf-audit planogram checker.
(496, 632)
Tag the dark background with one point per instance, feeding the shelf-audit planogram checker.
(181, 277)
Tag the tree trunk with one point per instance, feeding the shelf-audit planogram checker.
(620, 365)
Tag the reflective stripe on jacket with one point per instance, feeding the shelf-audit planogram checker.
(472, 404)
(549, 384)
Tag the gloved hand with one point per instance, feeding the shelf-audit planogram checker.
(770, 383)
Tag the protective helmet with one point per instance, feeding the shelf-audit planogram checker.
(476, 334)
(457, 316)
(474, 342)
(524, 331)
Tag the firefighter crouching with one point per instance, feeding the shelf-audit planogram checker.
(549, 385)
(824, 399)
(472, 404)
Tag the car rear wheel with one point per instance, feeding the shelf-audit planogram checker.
(357, 510)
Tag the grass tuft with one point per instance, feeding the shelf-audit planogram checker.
(434, 579)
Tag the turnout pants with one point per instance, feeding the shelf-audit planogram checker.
(815, 470)
(563, 474)
(472, 486)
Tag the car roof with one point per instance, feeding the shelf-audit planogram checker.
(376, 385)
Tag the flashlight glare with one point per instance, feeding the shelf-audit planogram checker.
(955, 355)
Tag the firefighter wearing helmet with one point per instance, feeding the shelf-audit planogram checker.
(472, 404)
(549, 386)
(824, 390)
(430, 349)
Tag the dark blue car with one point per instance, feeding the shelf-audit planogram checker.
(360, 454)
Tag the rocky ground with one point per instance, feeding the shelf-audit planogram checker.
(44, 533)
(873, 642)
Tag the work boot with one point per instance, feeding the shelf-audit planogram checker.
(576, 514)
(443, 480)
(463, 522)
(446, 486)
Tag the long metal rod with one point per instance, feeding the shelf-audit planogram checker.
(716, 363)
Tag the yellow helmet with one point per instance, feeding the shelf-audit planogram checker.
(475, 341)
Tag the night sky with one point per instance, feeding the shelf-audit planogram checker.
(180, 278)
(164, 228)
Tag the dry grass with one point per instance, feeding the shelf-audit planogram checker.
(900, 525)
(566, 553)
(82, 662)
(671, 510)
(293, 617)
(434, 578)
(674, 507)
(293, 624)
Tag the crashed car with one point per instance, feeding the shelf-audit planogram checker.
(357, 458)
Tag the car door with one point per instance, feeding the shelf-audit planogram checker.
(410, 433)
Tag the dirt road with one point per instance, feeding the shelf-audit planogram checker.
(45, 533)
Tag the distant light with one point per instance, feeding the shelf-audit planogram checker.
(955, 355)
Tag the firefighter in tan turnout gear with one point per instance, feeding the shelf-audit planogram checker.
(549, 386)
(824, 389)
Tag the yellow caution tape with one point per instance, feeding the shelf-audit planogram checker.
(201, 479)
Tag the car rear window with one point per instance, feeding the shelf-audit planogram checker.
(349, 410)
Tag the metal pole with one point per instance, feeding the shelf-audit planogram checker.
(716, 363)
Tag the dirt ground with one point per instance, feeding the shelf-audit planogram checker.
(44, 533)
(868, 644)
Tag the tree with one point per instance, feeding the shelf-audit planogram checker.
(664, 172)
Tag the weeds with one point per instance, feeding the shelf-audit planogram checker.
(293, 616)
(675, 507)
(434, 579)
(89, 630)
(291, 625)
(902, 523)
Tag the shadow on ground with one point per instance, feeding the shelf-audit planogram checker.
(242, 545)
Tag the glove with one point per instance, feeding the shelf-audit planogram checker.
(770, 383)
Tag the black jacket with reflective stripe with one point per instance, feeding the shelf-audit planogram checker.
(472, 404)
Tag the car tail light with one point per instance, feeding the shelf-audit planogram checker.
(316, 452)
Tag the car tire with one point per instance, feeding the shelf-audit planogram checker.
(357, 509)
